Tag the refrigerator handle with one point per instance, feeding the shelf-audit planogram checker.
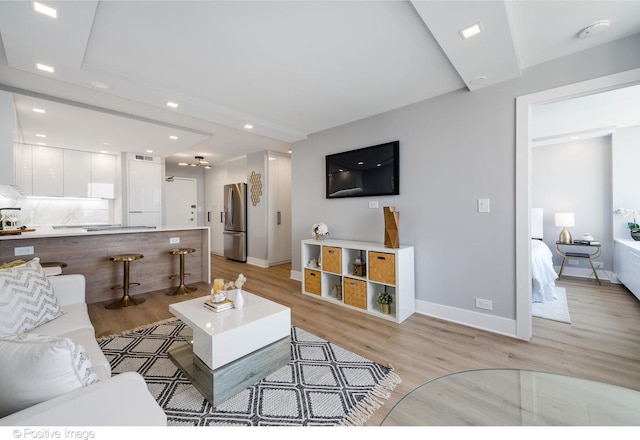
(209, 216)
(279, 217)
(221, 217)
(230, 207)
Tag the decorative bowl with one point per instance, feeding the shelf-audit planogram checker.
(219, 296)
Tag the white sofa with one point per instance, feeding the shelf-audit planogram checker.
(121, 400)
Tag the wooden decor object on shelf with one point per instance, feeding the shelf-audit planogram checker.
(391, 220)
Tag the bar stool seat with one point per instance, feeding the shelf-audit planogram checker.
(182, 289)
(126, 300)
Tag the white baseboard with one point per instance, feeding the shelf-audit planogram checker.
(296, 275)
(258, 262)
(482, 321)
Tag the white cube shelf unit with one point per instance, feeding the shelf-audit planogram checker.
(357, 287)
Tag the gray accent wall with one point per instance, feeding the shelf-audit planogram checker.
(454, 150)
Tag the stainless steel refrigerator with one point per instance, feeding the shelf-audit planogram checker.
(235, 221)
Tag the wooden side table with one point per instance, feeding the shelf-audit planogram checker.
(594, 252)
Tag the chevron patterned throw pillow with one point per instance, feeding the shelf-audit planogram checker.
(26, 298)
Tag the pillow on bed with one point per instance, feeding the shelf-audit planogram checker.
(27, 299)
(36, 368)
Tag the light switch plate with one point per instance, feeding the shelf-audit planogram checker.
(373, 204)
(25, 250)
(483, 205)
(174, 240)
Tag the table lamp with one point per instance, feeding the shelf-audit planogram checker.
(565, 219)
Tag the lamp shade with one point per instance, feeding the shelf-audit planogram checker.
(565, 219)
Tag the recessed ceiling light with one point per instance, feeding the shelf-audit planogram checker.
(44, 67)
(470, 31)
(104, 151)
(248, 126)
(99, 85)
(44, 9)
(42, 143)
(184, 164)
(173, 137)
(477, 80)
(149, 151)
(106, 143)
(41, 135)
(172, 104)
(39, 110)
(575, 138)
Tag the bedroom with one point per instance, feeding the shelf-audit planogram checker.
(573, 171)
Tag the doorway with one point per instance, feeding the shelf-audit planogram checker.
(181, 197)
(524, 104)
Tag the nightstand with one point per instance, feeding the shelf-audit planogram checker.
(574, 250)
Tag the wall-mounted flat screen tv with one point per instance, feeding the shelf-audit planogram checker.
(370, 171)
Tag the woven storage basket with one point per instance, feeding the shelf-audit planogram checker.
(312, 281)
(382, 267)
(355, 293)
(332, 259)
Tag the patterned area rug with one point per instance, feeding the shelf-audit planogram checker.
(323, 385)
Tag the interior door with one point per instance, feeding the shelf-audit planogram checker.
(181, 208)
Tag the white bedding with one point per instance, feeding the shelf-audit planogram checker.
(543, 275)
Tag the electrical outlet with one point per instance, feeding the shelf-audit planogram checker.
(174, 240)
(598, 264)
(25, 250)
(485, 304)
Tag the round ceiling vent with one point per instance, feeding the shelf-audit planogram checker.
(594, 28)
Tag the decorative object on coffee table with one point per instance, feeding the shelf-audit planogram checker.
(391, 220)
(218, 291)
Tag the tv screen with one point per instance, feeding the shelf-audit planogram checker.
(370, 171)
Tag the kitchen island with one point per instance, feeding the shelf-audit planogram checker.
(87, 251)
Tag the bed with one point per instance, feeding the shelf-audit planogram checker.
(543, 275)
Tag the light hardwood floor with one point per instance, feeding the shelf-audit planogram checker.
(602, 343)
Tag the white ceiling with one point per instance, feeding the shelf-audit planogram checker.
(289, 68)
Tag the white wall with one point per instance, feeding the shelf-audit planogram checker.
(454, 149)
(626, 146)
(575, 177)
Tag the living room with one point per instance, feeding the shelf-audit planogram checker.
(456, 148)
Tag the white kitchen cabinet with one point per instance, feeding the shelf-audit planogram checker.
(103, 176)
(48, 171)
(23, 168)
(144, 191)
(76, 173)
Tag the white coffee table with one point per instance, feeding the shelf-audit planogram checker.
(235, 348)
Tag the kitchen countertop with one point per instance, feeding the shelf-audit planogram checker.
(70, 231)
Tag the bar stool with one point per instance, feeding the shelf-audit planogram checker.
(126, 300)
(182, 288)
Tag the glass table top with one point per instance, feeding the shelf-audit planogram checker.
(504, 397)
